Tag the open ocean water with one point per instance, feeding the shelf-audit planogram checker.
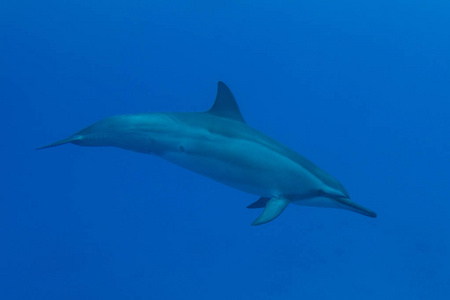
(361, 88)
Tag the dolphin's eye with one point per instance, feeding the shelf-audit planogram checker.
(181, 148)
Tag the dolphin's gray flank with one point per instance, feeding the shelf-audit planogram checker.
(220, 145)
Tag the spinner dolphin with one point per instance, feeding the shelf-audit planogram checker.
(219, 144)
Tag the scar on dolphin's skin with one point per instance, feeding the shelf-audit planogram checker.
(231, 152)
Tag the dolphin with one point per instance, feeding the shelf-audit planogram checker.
(219, 144)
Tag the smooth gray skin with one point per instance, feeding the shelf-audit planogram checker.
(220, 145)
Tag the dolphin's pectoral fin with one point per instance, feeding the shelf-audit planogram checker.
(260, 203)
(274, 207)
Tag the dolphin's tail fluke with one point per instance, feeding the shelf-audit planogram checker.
(350, 205)
(62, 142)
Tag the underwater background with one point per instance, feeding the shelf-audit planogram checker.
(361, 88)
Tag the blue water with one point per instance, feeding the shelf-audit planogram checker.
(361, 88)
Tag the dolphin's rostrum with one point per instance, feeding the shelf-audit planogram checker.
(219, 144)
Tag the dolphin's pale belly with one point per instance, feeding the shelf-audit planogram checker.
(244, 165)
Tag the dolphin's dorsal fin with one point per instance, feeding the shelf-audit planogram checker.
(225, 105)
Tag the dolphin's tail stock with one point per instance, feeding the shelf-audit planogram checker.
(70, 139)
